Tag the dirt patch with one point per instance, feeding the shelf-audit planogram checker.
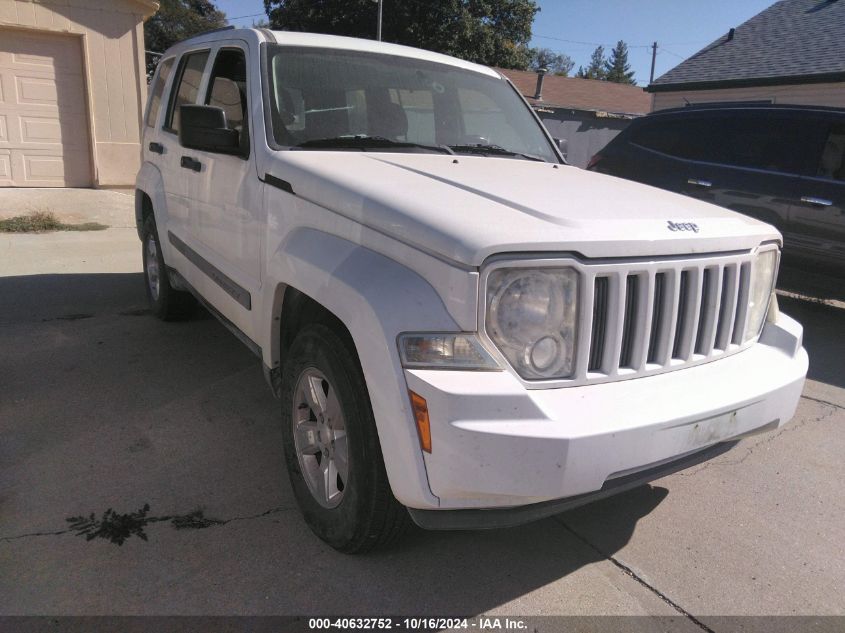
(43, 222)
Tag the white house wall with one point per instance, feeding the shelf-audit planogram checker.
(822, 94)
(111, 33)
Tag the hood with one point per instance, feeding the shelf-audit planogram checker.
(468, 208)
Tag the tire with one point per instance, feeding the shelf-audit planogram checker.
(165, 302)
(328, 425)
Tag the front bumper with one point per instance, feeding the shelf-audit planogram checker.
(496, 444)
(490, 518)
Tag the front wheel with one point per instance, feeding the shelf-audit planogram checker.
(331, 445)
(165, 302)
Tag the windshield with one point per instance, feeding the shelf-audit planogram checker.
(336, 99)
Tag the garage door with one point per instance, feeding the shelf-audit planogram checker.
(43, 121)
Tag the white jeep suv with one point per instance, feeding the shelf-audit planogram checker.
(461, 328)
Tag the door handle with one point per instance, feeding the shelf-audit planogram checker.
(191, 163)
(700, 183)
(819, 202)
(158, 148)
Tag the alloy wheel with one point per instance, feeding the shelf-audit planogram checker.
(319, 431)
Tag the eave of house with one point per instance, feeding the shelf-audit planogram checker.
(754, 82)
(540, 106)
(150, 6)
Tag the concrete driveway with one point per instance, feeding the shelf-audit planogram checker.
(172, 430)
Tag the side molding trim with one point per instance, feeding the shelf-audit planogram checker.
(237, 292)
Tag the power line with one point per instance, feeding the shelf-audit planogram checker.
(241, 17)
(666, 50)
(546, 37)
(689, 43)
(560, 39)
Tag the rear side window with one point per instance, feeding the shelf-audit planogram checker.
(776, 144)
(832, 164)
(187, 91)
(690, 139)
(663, 136)
(157, 90)
(769, 143)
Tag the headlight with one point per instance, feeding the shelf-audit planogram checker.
(531, 317)
(444, 351)
(763, 272)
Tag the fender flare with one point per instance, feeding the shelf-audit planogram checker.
(150, 182)
(376, 298)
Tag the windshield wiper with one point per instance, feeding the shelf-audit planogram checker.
(364, 142)
(495, 150)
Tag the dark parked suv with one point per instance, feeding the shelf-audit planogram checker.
(782, 164)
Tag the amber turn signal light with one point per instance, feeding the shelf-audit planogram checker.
(420, 408)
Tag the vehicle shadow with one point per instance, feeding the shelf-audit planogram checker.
(472, 572)
(823, 337)
(798, 279)
(119, 428)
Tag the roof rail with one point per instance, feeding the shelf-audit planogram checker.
(231, 27)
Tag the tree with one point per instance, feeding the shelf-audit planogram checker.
(596, 68)
(617, 69)
(177, 20)
(555, 63)
(491, 32)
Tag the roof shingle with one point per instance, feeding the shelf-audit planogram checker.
(792, 38)
(581, 94)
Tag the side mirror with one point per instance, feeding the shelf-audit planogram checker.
(563, 146)
(204, 128)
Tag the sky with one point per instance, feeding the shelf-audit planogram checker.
(575, 27)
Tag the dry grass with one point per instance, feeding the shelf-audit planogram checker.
(43, 221)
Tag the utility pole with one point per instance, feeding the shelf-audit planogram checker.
(653, 59)
(378, 36)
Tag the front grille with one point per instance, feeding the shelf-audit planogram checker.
(600, 319)
(640, 318)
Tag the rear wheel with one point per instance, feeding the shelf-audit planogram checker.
(165, 302)
(331, 446)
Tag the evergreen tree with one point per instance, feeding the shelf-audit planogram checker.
(617, 69)
(596, 68)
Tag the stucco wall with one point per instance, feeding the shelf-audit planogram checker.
(585, 133)
(828, 94)
(113, 50)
